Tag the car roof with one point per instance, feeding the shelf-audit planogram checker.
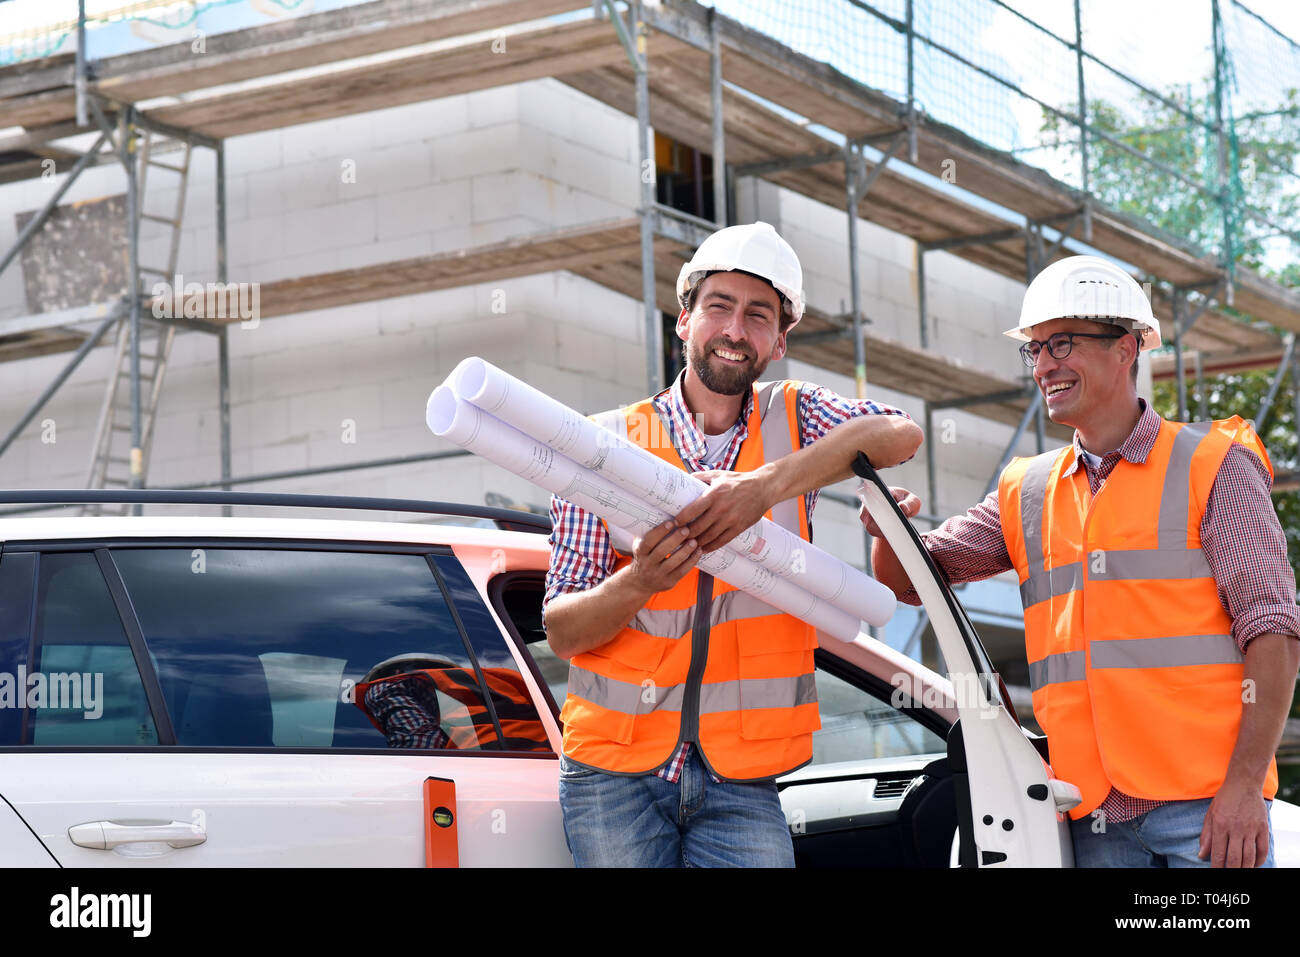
(189, 527)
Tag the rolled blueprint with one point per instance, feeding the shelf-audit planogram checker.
(650, 478)
(453, 418)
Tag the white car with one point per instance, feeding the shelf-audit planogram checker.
(210, 691)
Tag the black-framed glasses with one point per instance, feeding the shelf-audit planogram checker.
(1059, 345)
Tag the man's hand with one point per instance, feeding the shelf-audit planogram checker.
(584, 620)
(663, 557)
(1235, 833)
(733, 502)
(909, 503)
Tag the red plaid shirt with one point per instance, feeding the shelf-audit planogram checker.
(1240, 535)
(581, 554)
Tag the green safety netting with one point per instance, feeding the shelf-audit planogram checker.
(1190, 117)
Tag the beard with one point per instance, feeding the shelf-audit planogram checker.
(717, 375)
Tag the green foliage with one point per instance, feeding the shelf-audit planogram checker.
(1260, 152)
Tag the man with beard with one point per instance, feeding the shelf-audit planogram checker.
(686, 697)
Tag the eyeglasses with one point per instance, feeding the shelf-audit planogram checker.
(1059, 345)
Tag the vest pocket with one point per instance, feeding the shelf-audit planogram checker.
(589, 719)
(777, 690)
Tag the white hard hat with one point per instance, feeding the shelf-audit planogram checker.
(1088, 287)
(754, 248)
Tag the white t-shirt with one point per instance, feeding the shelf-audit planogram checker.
(715, 446)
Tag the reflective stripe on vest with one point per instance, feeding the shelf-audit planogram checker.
(1170, 652)
(676, 622)
(628, 698)
(777, 444)
(1063, 666)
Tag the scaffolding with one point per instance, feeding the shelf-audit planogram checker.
(747, 95)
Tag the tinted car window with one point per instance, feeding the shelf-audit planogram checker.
(857, 725)
(301, 648)
(78, 685)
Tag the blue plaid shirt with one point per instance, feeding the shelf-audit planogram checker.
(581, 553)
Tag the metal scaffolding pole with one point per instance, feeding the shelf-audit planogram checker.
(911, 83)
(921, 304)
(1295, 395)
(79, 81)
(931, 480)
(719, 129)
(653, 326)
(856, 185)
(127, 155)
(81, 353)
(1225, 200)
(1033, 264)
(1201, 398)
(1083, 101)
(223, 345)
(1180, 373)
(1032, 411)
(852, 161)
(52, 203)
(1288, 353)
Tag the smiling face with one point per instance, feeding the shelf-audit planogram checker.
(1090, 385)
(732, 333)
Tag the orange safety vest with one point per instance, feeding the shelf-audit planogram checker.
(1136, 678)
(703, 661)
(520, 724)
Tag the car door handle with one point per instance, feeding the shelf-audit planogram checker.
(106, 835)
(1065, 795)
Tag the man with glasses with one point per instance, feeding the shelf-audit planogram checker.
(1160, 615)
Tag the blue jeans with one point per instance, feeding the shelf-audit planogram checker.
(1169, 836)
(643, 821)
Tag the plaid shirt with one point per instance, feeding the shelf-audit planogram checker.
(408, 711)
(581, 554)
(1240, 534)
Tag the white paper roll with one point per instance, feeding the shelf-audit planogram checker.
(453, 418)
(649, 478)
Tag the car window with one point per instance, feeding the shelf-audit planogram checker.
(263, 647)
(517, 597)
(69, 676)
(856, 725)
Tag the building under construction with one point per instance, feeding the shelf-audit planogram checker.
(245, 240)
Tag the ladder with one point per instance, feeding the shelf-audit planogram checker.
(111, 450)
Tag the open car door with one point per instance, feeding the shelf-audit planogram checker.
(1011, 809)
